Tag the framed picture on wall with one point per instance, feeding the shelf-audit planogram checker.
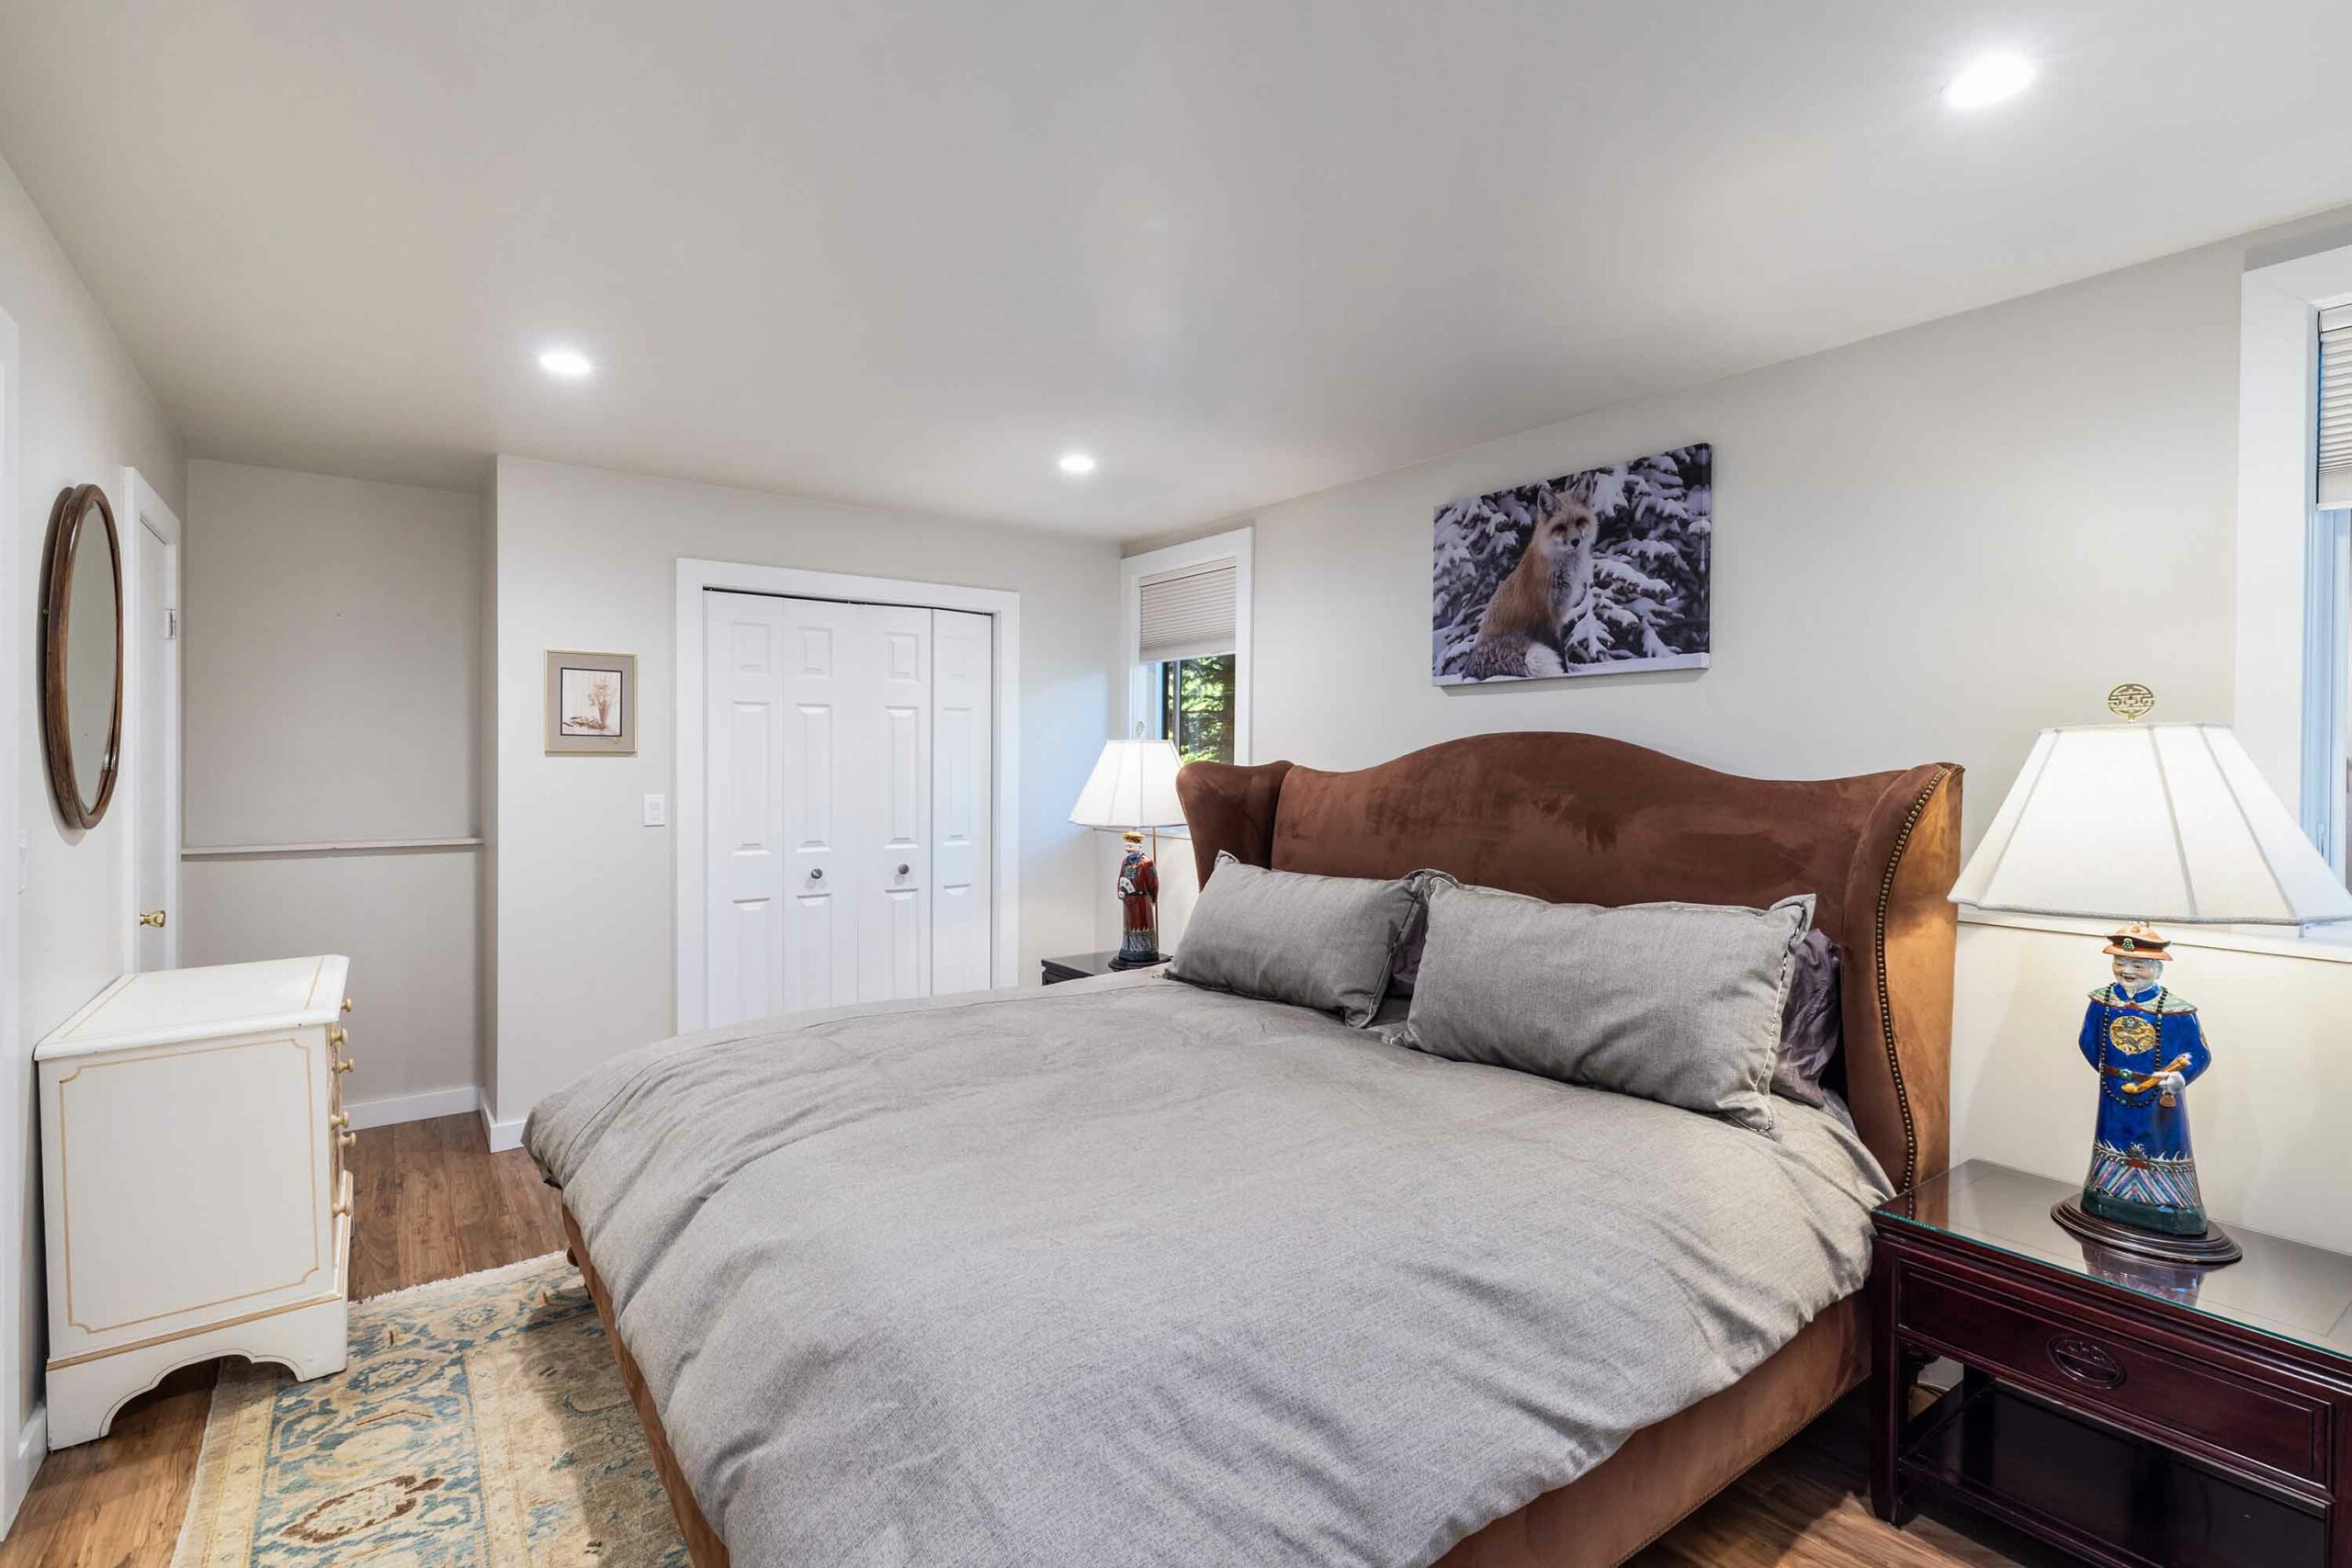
(591, 704)
(1597, 573)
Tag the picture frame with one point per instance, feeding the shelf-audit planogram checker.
(1607, 570)
(591, 703)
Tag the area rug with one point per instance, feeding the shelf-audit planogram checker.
(481, 1424)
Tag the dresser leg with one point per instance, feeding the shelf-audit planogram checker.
(1892, 1376)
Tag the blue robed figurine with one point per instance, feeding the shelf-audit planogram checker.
(2147, 1048)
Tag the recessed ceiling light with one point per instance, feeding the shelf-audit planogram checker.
(568, 362)
(1988, 81)
(1076, 462)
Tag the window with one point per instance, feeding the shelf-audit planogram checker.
(1187, 643)
(2293, 595)
(2327, 597)
(1196, 707)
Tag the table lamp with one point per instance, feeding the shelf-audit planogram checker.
(1133, 788)
(2138, 823)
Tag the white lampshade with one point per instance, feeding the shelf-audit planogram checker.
(1132, 785)
(2160, 822)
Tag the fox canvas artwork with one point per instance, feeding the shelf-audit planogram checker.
(1592, 573)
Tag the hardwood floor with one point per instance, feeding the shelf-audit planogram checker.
(431, 1202)
(434, 1201)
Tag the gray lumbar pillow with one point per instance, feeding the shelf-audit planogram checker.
(1318, 942)
(1678, 1003)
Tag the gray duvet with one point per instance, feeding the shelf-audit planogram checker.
(1130, 1272)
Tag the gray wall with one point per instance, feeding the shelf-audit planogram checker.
(83, 412)
(333, 657)
(586, 902)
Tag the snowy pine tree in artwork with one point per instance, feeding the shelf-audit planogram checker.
(1591, 573)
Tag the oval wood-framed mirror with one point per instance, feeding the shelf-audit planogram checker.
(81, 653)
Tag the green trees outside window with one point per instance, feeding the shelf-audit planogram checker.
(1196, 707)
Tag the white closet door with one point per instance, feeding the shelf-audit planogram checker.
(826, 675)
(894, 896)
(779, 681)
(962, 685)
(743, 711)
(847, 802)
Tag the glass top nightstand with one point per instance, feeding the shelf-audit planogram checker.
(2283, 1288)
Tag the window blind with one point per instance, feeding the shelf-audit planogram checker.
(1186, 614)
(2335, 406)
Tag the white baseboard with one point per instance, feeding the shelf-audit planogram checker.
(23, 1462)
(392, 1109)
(503, 1136)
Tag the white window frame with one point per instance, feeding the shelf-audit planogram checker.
(2291, 632)
(1235, 545)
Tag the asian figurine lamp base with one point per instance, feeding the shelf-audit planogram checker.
(2210, 1249)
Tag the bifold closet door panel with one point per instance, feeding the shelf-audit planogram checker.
(894, 778)
(826, 676)
(744, 718)
(780, 687)
(962, 808)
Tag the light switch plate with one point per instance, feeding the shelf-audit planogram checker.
(657, 810)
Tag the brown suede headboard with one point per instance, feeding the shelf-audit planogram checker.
(1581, 819)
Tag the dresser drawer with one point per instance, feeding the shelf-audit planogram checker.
(2136, 1375)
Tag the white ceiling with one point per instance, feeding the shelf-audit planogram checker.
(1241, 249)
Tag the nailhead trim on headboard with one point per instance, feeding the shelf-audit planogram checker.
(1885, 1003)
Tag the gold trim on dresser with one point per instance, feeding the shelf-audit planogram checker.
(66, 1193)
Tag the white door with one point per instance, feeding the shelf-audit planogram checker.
(891, 774)
(963, 663)
(152, 737)
(847, 856)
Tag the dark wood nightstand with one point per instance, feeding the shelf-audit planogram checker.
(2137, 1414)
(1077, 965)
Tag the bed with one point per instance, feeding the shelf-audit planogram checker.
(1128, 1271)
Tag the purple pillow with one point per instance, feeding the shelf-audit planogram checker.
(1812, 1026)
(1406, 963)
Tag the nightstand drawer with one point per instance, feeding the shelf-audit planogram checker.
(2136, 1375)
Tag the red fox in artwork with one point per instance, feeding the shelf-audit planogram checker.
(1519, 632)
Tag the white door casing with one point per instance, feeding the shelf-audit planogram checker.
(961, 658)
(995, 757)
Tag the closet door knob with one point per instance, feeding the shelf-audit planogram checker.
(818, 874)
(902, 868)
(337, 1035)
(340, 1120)
(347, 1004)
(346, 1139)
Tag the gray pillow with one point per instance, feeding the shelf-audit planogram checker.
(1283, 936)
(1680, 1003)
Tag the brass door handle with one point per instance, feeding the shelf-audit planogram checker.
(346, 1139)
(347, 1004)
(340, 1119)
(345, 1065)
(153, 918)
(337, 1034)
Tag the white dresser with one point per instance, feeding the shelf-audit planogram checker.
(191, 1146)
